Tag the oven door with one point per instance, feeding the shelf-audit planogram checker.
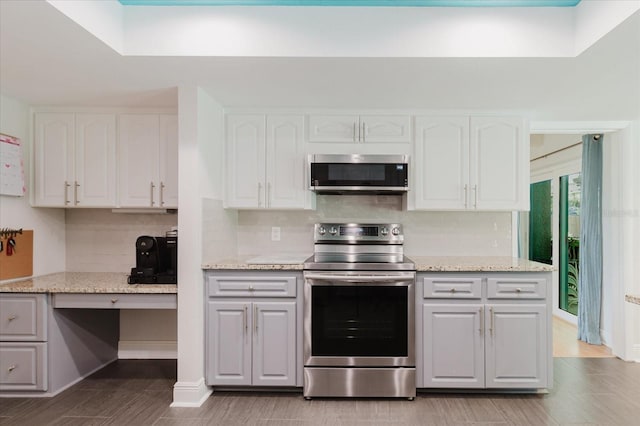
(364, 319)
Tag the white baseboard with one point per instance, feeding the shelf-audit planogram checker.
(190, 394)
(151, 349)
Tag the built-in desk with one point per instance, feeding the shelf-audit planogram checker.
(59, 328)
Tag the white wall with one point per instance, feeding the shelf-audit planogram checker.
(15, 212)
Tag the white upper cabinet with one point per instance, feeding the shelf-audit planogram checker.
(477, 163)
(499, 174)
(285, 162)
(147, 161)
(441, 163)
(265, 161)
(95, 160)
(75, 160)
(359, 128)
(168, 172)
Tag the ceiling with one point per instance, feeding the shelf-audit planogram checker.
(47, 59)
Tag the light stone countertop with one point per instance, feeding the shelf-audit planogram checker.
(423, 264)
(242, 263)
(632, 299)
(84, 282)
(477, 264)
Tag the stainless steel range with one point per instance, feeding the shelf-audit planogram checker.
(359, 313)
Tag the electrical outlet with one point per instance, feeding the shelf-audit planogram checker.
(275, 233)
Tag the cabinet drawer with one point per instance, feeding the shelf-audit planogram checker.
(115, 301)
(248, 286)
(23, 366)
(452, 287)
(516, 288)
(22, 317)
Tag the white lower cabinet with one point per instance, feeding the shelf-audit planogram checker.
(488, 340)
(251, 336)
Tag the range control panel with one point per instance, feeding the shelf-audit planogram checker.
(359, 233)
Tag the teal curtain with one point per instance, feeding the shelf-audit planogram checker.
(590, 275)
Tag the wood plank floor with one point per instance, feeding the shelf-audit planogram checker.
(566, 343)
(587, 391)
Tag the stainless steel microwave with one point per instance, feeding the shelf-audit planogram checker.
(354, 173)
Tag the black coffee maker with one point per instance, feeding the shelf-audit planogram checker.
(156, 260)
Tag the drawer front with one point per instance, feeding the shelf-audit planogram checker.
(516, 288)
(115, 301)
(23, 317)
(248, 286)
(444, 287)
(23, 366)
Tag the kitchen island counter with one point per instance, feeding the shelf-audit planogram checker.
(85, 282)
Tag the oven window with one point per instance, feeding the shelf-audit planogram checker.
(359, 321)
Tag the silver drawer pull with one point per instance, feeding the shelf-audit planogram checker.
(11, 368)
(12, 317)
(251, 288)
(518, 290)
(114, 300)
(453, 290)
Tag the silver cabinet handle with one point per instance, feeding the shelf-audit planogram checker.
(354, 131)
(255, 318)
(466, 195)
(246, 324)
(151, 188)
(453, 290)
(161, 193)
(66, 192)
(268, 200)
(481, 320)
(475, 196)
(518, 290)
(11, 368)
(12, 317)
(364, 132)
(259, 194)
(491, 323)
(251, 288)
(114, 301)
(75, 192)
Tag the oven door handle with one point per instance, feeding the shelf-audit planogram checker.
(360, 278)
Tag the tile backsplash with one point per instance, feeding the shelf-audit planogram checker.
(426, 233)
(99, 240)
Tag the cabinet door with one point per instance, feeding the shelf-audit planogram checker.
(285, 162)
(453, 346)
(95, 161)
(245, 161)
(138, 160)
(500, 164)
(516, 355)
(334, 128)
(168, 185)
(228, 343)
(385, 128)
(441, 163)
(53, 154)
(274, 347)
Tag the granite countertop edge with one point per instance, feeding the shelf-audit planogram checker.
(632, 298)
(423, 264)
(84, 283)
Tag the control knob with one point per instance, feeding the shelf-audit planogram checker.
(384, 231)
(395, 231)
(322, 230)
(333, 230)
